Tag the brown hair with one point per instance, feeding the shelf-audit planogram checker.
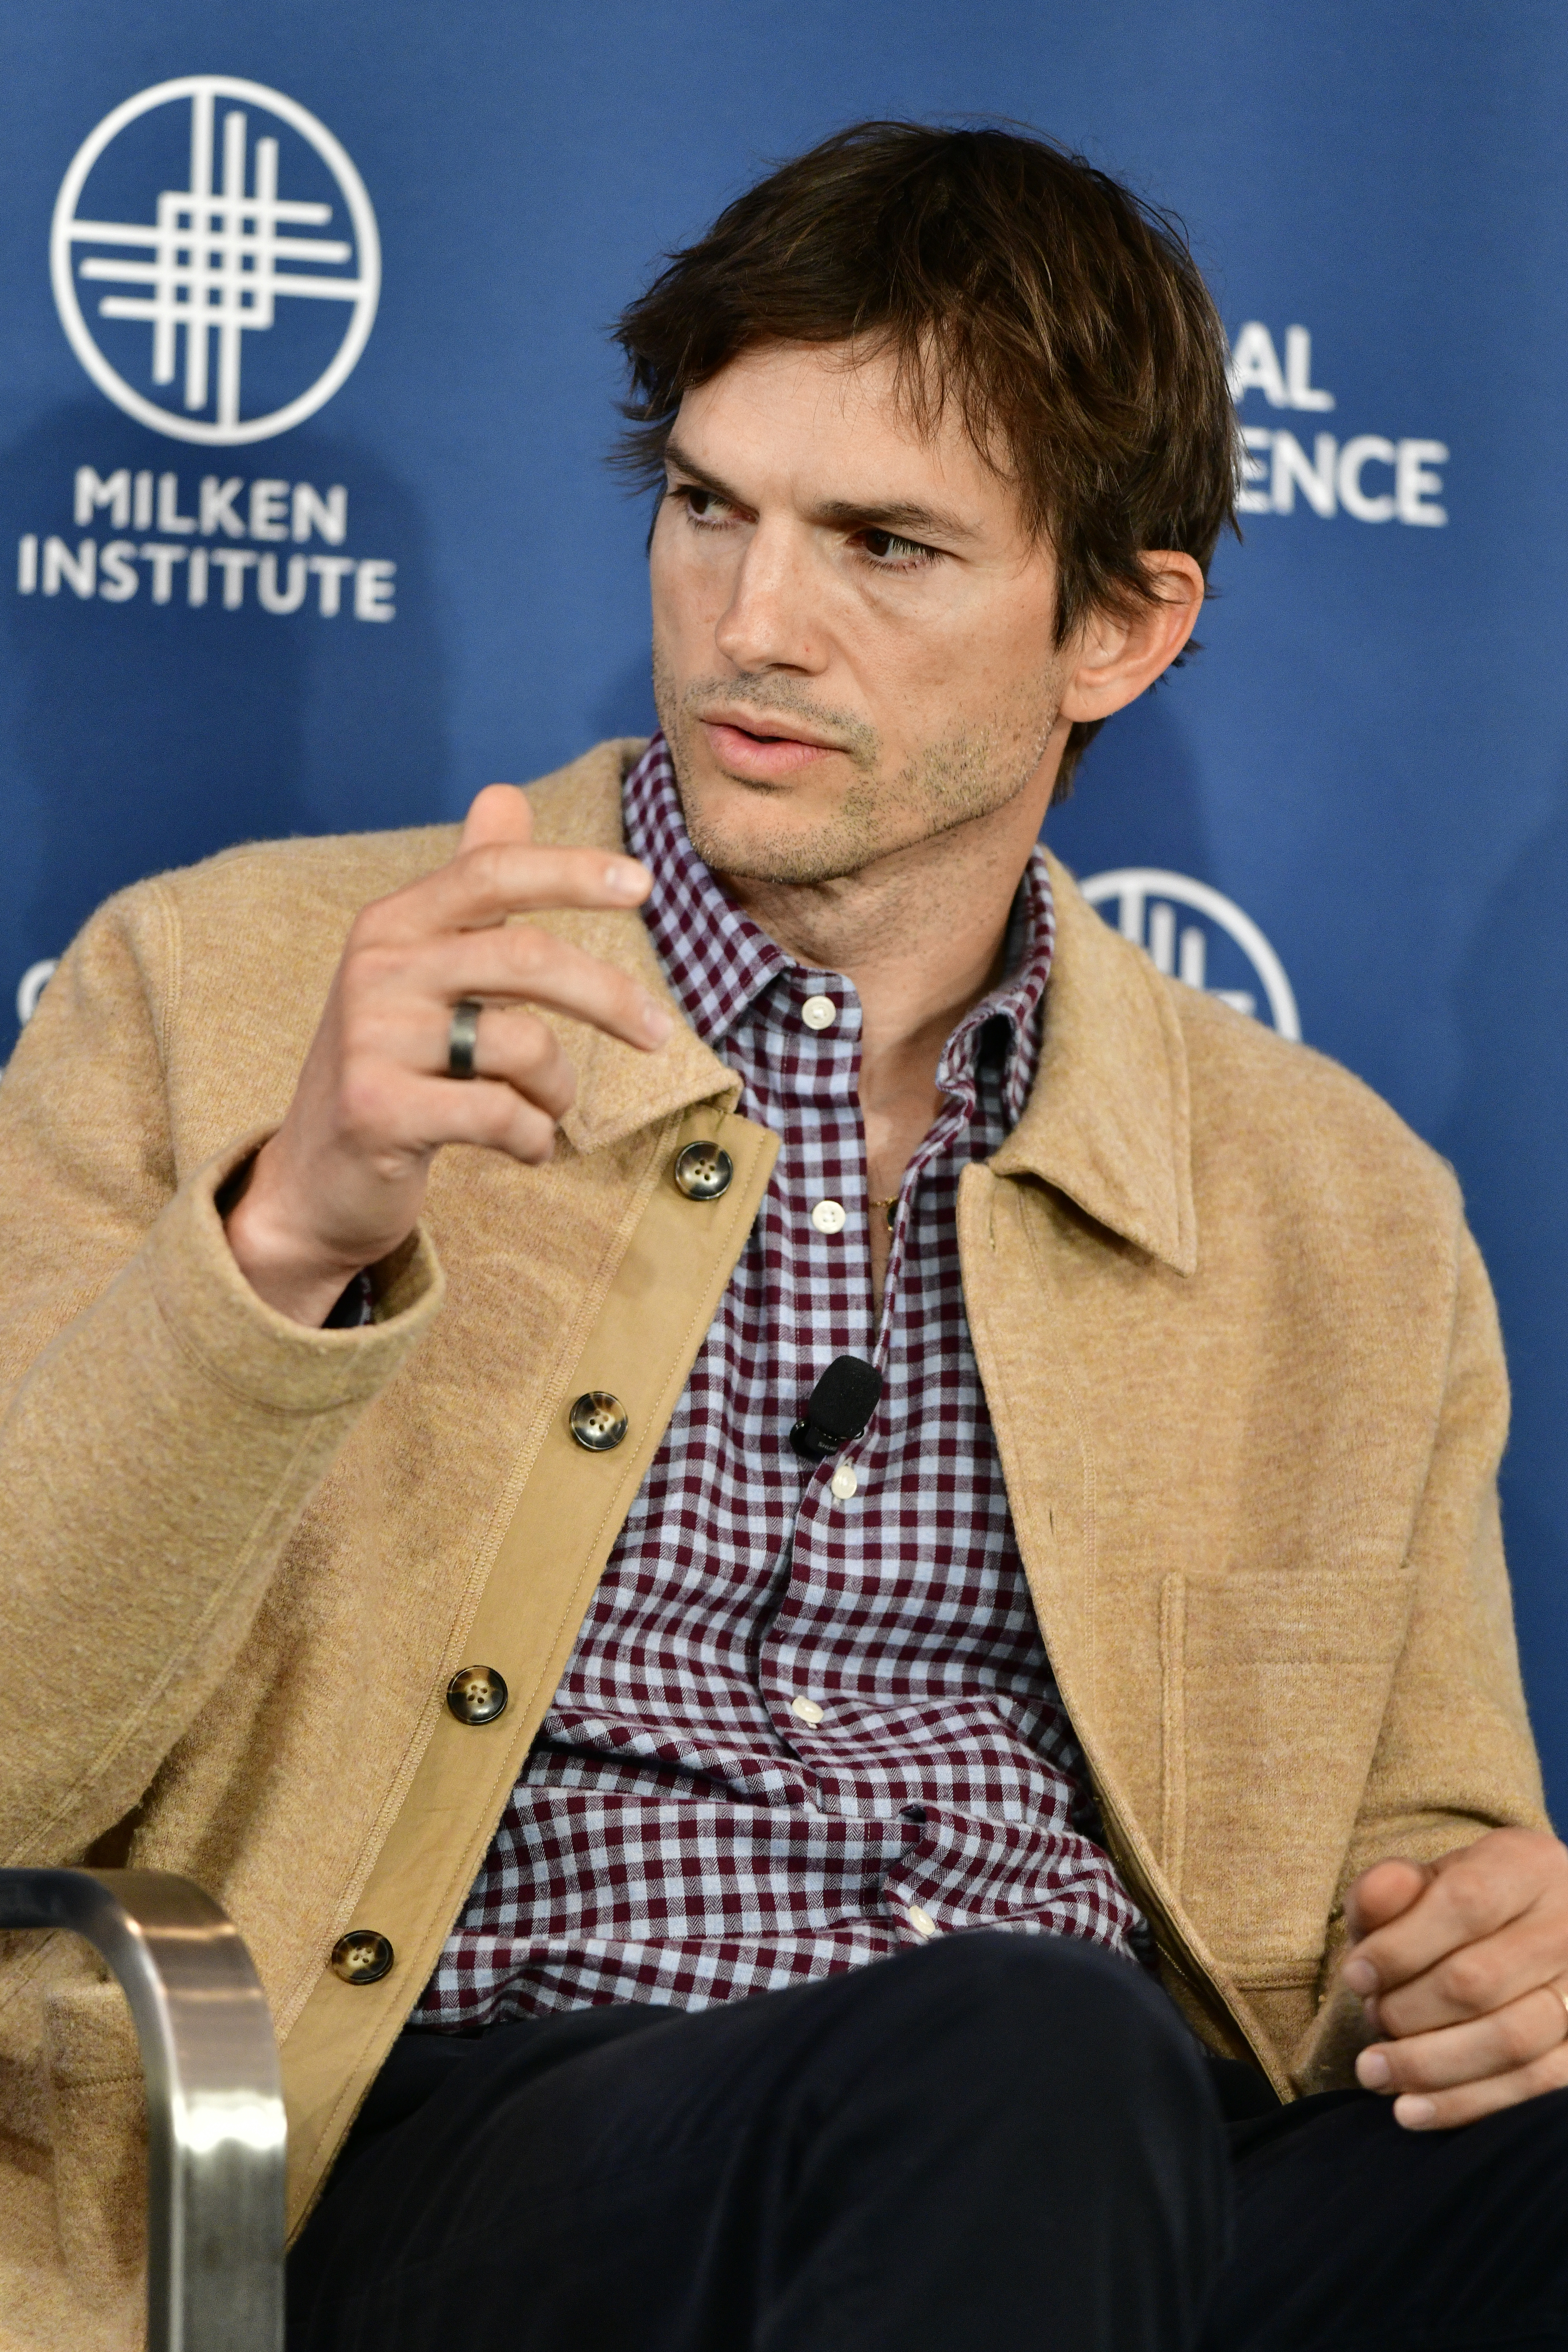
(1067, 318)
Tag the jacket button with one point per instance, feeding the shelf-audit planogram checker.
(477, 1693)
(599, 1421)
(361, 1957)
(702, 1171)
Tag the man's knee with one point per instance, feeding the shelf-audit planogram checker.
(1043, 2016)
(1024, 2075)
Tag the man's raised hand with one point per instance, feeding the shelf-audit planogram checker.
(1463, 1967)
(341, 1184)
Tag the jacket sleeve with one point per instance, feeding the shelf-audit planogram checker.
(163, 1428)
(1455, 1757)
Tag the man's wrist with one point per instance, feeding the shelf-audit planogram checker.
(297, 1279)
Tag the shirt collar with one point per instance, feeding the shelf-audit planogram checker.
(719, 963)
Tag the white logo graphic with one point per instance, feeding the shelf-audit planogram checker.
(1334, 480)
(31, 987)
(1148, 902)
(210, 264)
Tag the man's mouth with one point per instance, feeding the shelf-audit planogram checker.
(763, 750)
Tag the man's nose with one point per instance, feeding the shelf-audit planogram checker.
(774, 618)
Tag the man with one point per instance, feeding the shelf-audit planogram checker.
(738, 1857)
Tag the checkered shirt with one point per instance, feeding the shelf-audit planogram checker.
(683, 1832)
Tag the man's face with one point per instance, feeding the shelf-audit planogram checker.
(852, 629)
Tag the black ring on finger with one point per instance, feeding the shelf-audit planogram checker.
(463, 1037)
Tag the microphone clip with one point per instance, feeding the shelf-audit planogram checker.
(838, 1409)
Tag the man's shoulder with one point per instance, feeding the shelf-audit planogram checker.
(1238, 1062)
(1302, 1126)
(324, 878)
(1181, 1087)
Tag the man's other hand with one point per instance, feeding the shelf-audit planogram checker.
(1463, 1968)
(342, 1182)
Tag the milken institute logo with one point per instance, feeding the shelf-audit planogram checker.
(212, 268)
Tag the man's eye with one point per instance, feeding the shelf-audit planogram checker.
(703, 506)
(886, 548)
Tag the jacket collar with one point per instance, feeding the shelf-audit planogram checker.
(1107, 1122)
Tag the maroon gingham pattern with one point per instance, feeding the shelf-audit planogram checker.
(678, 1835)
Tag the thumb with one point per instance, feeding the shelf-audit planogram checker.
(1382, 1893)
(501, 812)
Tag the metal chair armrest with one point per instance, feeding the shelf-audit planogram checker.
(214, 2099)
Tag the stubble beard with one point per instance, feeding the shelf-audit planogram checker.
(943, 786)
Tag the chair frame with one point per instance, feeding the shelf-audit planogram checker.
(216, 2129)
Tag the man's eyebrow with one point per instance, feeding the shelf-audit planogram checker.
(904, 518)
(674, 455)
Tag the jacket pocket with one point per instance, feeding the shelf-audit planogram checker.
(1275, 1688)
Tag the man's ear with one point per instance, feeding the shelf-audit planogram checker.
(1113, 657)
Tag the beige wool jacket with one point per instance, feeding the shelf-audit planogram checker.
(1236, 1343)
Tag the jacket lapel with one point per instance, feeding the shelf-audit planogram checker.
(1107, 1121)
(1106, 1127)
(1107, 1130)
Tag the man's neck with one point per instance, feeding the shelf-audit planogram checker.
(920, 934)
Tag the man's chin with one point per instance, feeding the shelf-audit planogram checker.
(773, 831)
(753, 852)
(761, 845)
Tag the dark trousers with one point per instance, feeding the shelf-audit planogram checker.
(995, 2142)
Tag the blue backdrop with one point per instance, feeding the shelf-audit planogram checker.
(408, 572)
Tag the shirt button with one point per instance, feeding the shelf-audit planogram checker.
(828, 1217)
(807, 1710)
(819, 1012)
(921, 1921)
(844, 1482)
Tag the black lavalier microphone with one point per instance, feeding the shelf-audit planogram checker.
(837, 1409)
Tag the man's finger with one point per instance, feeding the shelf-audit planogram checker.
(484, 884)
(1478, 1978)
(1466, 2102)
(1510, 2037)
(429, 1112)
(501, 813)
(515, 965)
(1472, 1894)
(1383, 1892)
(513, 1045)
